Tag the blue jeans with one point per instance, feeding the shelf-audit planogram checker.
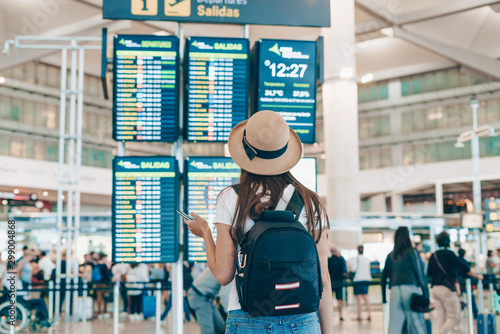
(239, 322)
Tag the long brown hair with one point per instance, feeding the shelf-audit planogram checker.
(249, 202)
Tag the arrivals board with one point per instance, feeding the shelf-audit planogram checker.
(145, 88)
(286, 83)
(144, 221)
(217, 87)
(206, 178)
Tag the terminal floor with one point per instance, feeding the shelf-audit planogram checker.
(105, 326)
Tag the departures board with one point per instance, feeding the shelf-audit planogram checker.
(144, 221)
(217, 87)
(146, 88)
(286, 83)
(206, 177)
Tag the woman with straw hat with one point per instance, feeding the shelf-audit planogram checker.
(266, 149)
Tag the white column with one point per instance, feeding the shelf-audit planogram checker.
(397, 204)
(340, 109)
(439, 198)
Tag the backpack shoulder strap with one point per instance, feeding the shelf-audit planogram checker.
(296, 204)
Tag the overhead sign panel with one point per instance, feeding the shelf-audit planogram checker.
(145, 88)
(144, 221)
(217, 85)
(286, 83)
(310, 13)
(206, 178)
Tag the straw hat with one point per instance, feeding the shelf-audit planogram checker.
(264, 144)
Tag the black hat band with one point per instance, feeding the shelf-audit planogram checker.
(253, 152)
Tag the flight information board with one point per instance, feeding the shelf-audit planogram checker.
(206, 177)
(144, 221)
(217, 87)
(145, 88)
(286, 83)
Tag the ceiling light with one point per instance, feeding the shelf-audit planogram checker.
(2, 80)
(4, 202)
(346, 72)
(45, 193)
(367, 78)
(323, 156)
(161, 33)
(16, 191)
(459, 145)
(389, 31)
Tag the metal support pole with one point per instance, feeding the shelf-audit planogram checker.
(177, 267)
(84, 302)
(78, 164)
(491, 298)
(476, 181)
(51, 300)
(71, 165)
(62, 129)
(470, 317)
(480, 297)
(116, 307)
(439, 198)
(158, 308)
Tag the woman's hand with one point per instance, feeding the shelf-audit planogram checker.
(198, 226)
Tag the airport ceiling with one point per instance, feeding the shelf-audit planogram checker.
(393, 37)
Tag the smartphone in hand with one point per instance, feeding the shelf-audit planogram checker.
(185, 215)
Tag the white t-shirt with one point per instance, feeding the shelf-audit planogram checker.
(225, 211)
(361, 266)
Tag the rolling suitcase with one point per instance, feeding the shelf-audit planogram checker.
(491, 324)
(148, 304)
(481, 323)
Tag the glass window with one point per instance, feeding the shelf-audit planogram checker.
(16, 109)
(29, 148)
(362, 95)
(405, 88)
(18, 72)
(364, 162)
(30, 72)
(5, 107)
(17, 147)
(385, 126)
(428, 82)
(53, 77)
(419, 117)
(385, 158)
(493, 110)
(440, 77)
(50, 115)
(407, 155)
(375, 159)
(432, 153)
(4, 144)
(419, 154)
(465, 79)
(453, 78)
(363, 128)
(28, 113)
(384, 92)
(416, 85)
(39, 150)
(41, 74)
(444, 151)
(406, 120)
(482, 113)
(52, 152)
(373, 93)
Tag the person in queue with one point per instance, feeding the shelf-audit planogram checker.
(444, 268)
(337, 268)
(266, 149)
(402, 266)
(360, 266)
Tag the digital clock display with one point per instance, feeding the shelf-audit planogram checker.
(286, 83)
